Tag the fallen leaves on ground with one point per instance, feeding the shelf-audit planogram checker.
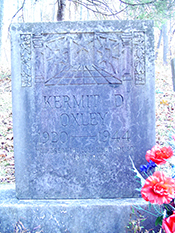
(165, 104)
(6, 131)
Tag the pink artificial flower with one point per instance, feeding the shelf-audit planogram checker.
(158, 188)
(168, 224)
(159, 155)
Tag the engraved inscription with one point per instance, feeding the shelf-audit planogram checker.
(118, 100)
(48, 139)
(81, 119)
(25, 53)
(74, 102)
(87, 119)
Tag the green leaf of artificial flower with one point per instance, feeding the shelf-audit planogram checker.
(159, 220)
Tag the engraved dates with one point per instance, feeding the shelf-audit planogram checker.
(50, 139)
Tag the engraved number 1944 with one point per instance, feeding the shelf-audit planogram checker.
(118, 135)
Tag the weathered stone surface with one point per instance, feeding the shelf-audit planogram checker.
(173, 72)
(83, 102)
(67, 216)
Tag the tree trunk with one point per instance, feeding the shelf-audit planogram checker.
(158, 44)
(165, 43)
(61, 7)
(1, 23)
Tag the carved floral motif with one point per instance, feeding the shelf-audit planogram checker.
(26, 76)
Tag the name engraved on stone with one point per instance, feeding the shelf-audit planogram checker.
(119, 99)
(70, 102)
(82, 119)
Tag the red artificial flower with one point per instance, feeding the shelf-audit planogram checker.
(158, 188)
(159, 155)
(168, 224)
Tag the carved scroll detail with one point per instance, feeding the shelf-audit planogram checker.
(127, 65)
(39, 58)
(25, 52)
(139, 58)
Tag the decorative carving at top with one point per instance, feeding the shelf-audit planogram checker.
(84, 58)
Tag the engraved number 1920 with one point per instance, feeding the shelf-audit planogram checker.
(54, 137)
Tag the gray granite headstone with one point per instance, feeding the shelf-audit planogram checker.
(173, 72)
(83, 103)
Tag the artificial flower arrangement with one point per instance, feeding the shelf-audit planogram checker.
(159, 186)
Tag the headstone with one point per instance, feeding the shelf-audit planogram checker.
(83, 105)
(173, 72)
